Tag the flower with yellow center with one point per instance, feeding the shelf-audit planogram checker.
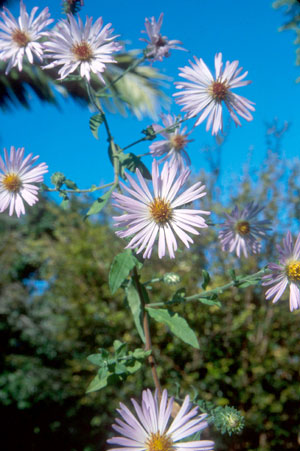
(173, 145)
(161, 214)
(18, 176)
(204, 95)
(21, 38)
(286, 273)
(154, 429)
(241, 233)
(87, 48)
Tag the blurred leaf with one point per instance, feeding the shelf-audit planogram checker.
(178, 325)
(95, 122)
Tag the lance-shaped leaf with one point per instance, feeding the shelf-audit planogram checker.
(100, 203)
(177, 325)
(132, 162)
(209, 302)
(95, 122)
(206, 279)
(134, 303)
(121, 266)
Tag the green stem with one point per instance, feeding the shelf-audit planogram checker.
(78, 191)
(215, 291)
(115, 158)
(148, 138)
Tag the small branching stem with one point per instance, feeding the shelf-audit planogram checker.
(77, 191)
(148, 138)
(215, 291)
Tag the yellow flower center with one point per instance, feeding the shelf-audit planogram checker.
(293, 270)
(158, 442)
(218, 90)
(12, 182)
(243, 227)
(177, 141)
(160, 211)
(20, 37)
(82, 51)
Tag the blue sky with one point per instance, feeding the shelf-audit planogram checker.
(246, 31)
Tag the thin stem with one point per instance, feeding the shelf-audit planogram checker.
(154, 134)
(148, 345)
(78, 191)
(215, 291)
(129, 68)
(114, 152)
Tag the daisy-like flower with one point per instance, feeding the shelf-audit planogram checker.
(152, 429)
(204, 94)
(173, 146)
(158, 46)
(286, 273)
(242, 230)
(17, 178)
(159, 214)
(86, 47)
(20, 38)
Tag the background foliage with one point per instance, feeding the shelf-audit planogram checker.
(56, 309)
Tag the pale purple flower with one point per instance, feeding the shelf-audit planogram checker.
(286, 273)
(158, 46)
(204, 94)
(152, 428)
(242, 230)
(86, 47)
(173, 146)
(161, 213)
(17, 178)
(21, 37)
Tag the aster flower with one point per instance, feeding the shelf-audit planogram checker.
(173, 146)
(20, 38)
(17, 178)
(158, 46)
(160, 214)
(204, 94)
(286, 273)
(85, 47)
(152, 430)
(242, 230)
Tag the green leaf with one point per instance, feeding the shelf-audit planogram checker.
(209, 302)
(95, 122)
(176, 323)
(100, 203)
(134, 303)
(206, 279)
(99, 381)
(121, 266)
(133, 366)
(132, 162)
